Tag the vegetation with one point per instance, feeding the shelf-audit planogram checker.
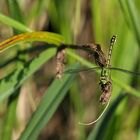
(34, 104)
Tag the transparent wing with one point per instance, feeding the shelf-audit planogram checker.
(95, 68)
(125, 71)
(81, 70)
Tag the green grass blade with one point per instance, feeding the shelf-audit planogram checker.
(131, 15)
(35, 11)
(96, 17)
(98, 132)
(125, 12)
(138, 135)
(15, 79)
(48, 37)
(13, 23)
(10, 118)
(47, 106)
(134, 18)
(14, 10)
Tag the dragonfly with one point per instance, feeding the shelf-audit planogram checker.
(105, 81)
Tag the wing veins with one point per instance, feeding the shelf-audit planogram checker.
(70, 71)
(125, 71)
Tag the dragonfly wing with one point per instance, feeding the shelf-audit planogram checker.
(70, 71)
(125, 71)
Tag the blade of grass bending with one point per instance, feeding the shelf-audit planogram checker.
(16, 78)
(99, 130)
(13, 23)
(48, 37)
(48, 105)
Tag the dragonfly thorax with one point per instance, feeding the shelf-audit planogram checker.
(105, 84)
(105, 76)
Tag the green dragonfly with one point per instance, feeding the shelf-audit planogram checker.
(104, 65)
(105, 75)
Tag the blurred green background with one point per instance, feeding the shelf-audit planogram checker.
(60, 104)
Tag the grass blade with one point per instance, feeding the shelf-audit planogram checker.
(47, 107)
(47, 37)
(13, 23)
(10, 118)
(134, 18)
(101, 127)
(16, 78)
(14, 10)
